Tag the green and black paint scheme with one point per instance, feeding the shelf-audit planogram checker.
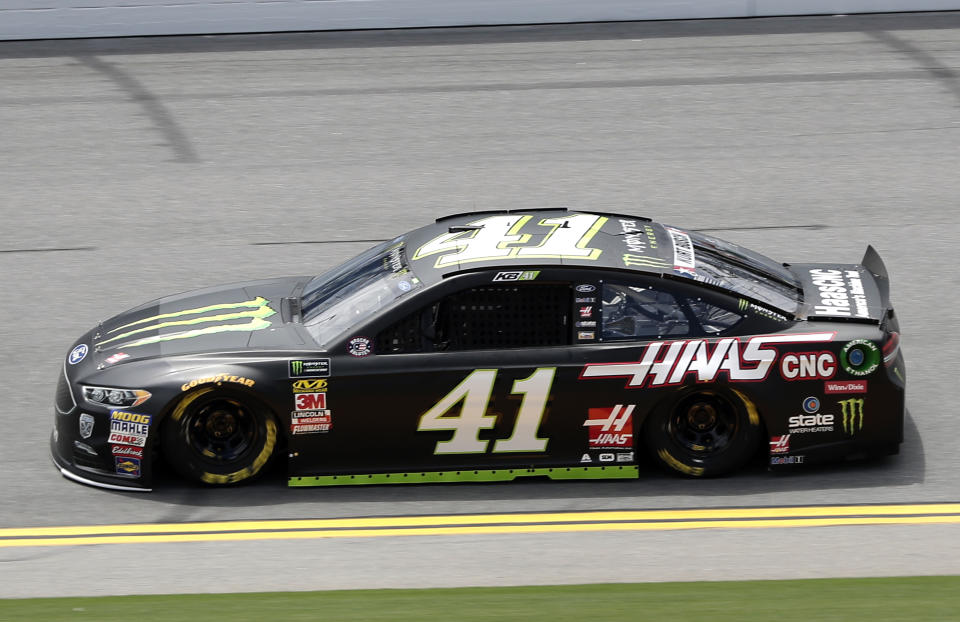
(566, 344)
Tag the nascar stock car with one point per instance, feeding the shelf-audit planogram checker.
(490, 346)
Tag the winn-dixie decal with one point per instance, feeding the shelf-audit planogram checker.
(667, 363)
(255, 312)
(840, 293)
(515, 237)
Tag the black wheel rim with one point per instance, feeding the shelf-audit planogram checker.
(703, 424)
(221, 431)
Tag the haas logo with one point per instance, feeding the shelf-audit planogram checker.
(611, 427)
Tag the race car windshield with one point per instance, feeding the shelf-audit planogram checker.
(745, 272)
(356, 290)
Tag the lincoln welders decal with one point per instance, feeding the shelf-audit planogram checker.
(257, 311)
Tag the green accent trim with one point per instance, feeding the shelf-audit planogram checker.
(472, 475)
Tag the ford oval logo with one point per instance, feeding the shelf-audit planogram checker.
(585, 288)
(78, 354)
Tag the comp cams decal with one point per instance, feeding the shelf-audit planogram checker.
(515, 237)
(255, 312)
(668, 363)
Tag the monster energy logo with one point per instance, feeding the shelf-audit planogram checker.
(852, 409)
(744, 304)
(296, 367)
(257, 310)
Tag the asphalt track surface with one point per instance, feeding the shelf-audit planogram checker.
(135, 168)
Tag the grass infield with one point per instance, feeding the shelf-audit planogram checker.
(910, 598)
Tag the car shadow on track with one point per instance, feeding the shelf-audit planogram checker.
(654, 486)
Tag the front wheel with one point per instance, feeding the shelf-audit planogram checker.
(219, 438)
(704, 433)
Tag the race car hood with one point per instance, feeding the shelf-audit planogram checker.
(231, 317)
(840, 292)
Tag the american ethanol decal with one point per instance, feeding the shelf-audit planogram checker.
(255, 311)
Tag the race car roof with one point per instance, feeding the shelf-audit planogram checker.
(520, 238)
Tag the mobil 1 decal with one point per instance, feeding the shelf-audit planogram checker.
(668, 363)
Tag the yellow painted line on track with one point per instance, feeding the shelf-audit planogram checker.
(485, 524)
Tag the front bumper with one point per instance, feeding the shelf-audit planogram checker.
(87, 457)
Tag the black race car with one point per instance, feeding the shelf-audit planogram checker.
(490, 346)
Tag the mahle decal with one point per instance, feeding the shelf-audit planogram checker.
(257, 310)
(852, 411)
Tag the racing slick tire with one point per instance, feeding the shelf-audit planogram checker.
(219, 437)
(704, 433)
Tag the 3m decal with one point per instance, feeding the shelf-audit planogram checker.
(309, 368)
(852, 412)
(780, 444)
(841, 293)
(860, 357)
(665, 363)
(310, 401)
(218, 379)
(473, 393)
(259, 310)
(849, 386)
(516, 275)
(308, 386)
(78, 354)
(510, 237)
(610, 427)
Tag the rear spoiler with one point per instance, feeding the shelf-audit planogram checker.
(872, 262)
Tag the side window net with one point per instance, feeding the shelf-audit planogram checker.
(493, 316)
(638, 312)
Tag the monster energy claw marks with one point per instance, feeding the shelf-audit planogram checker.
(256, 311)
(852, 411)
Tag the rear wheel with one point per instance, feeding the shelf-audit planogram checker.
(704, 433)
(219, 437)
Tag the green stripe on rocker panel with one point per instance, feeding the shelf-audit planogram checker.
(480, 475)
